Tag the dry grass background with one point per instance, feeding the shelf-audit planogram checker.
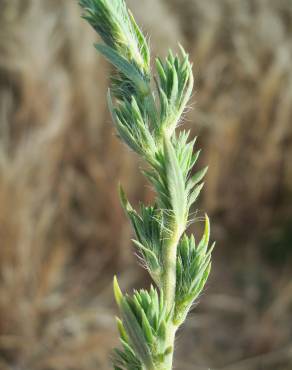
(61, 228)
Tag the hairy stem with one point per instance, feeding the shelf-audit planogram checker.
(169, 286)
(170, 345)
(169, 277)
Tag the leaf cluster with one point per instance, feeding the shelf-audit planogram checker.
(124, 43)
(171, 178)
(142, 329)
(149, 229)
(174, 84)
(192, 270)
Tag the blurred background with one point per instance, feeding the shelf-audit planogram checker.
(63, 234)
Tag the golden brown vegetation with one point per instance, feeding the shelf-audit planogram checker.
(62, 231)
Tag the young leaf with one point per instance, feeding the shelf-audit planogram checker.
(124, 67)
(176, 184)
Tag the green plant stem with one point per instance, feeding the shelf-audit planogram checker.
(169, 276)
(171, 330)
(168, 360)
(169, 286)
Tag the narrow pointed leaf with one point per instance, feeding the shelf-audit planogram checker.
(124, 66)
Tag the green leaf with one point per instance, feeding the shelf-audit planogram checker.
(194, 180)
(122, 331)
(194, 195)
(175, 182)
(144, 48)
(202, 247)
(136, 335)
(124, 200)
(117, 291)
(124, 67)
(174, 89)
(147, 330)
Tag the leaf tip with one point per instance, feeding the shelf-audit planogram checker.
(117, 291)
(123, 198)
